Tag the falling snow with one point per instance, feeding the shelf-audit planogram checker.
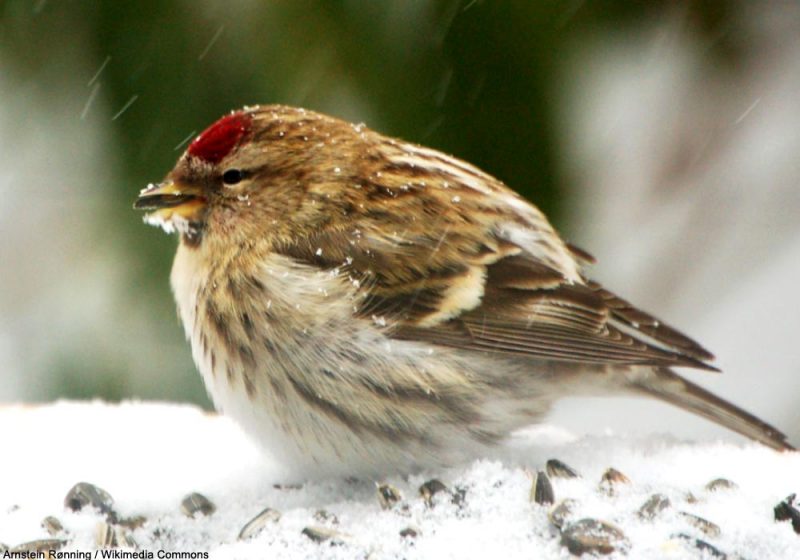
(89, 102)
(125, 107)
(211, 42)
(99, 70)
(183, 142)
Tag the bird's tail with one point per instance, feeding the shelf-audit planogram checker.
(672, 388)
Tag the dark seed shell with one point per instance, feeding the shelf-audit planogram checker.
(132, 523)
(721, 484)
(323, 534)
(410, 532)
(707, 527)
(259, 523)
(542, 491)
(430, 488)
(52, 525)
(706, 547)
(558, 469)
(653, 506)
(388, 496)
(611, 479)
(593, 536)
(85, 494)
(196, 503)
(113, 536)
(787, 511)
(615, 477)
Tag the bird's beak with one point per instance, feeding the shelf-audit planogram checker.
(171, 201)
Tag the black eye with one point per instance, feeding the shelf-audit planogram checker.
(232, 176)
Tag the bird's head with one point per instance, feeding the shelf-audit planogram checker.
(263, 172)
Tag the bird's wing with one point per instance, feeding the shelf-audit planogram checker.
(480, 288)
(447, 254)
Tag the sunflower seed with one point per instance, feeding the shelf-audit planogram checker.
(410, 532)
(787, 511)
(259, 522)
(707, 527)
(132, 523)
(52, 525)
(85, 494)
(594, 537)
(429, 489)
(388, 496)
(196, 503)
(562, 512)
(653, 506)
(691, 498)
(113, 536)
(707, 548)
(611, 479)
(721, 484)
(541, 490)
(323, 534)
(615, 477)
(557, 469)
(105, 535)
(39, 546)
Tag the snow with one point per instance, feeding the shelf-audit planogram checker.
(149, 456)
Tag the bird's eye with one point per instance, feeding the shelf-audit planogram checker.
(232, 176)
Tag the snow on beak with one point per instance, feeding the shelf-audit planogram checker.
(175, 206)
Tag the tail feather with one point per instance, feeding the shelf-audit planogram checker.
(672, 388)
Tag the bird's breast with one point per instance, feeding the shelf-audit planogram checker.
(255, 318)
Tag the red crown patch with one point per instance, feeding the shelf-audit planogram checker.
(217, 141)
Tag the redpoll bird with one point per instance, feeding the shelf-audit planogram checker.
(360, 304)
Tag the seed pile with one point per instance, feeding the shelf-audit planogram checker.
(113, 530)
(584, 535)
(571, 526)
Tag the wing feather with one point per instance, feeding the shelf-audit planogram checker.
(525, 308)
(484, 270)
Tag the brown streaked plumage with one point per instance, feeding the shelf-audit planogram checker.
(360, 303)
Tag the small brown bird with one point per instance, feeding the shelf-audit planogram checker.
(361, 304)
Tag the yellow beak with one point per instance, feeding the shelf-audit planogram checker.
(171, 200)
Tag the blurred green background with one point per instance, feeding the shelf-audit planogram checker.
(100, 97)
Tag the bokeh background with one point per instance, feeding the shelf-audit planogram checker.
(662, 136)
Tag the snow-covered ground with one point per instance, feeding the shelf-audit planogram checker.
(149, 456)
